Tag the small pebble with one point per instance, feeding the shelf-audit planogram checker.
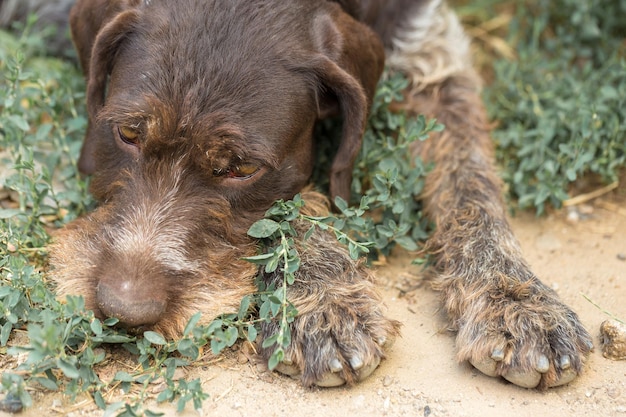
(387, 403)
(613, 339)
(387, 381)
(621, 256)
(573, 216)
(426, 411)
(359, 402)
(11, 404)
(613, 392)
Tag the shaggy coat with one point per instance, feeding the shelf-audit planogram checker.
(202, 113)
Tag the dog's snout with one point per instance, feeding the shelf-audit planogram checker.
(132, 304)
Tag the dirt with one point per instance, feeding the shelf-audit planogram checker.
(580, 252)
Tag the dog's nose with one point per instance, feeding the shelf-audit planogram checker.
(132, 306)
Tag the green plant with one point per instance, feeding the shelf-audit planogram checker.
(561, 104)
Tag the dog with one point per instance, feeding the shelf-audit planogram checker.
(202, 114)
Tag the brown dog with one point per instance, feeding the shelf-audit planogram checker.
(201, 114)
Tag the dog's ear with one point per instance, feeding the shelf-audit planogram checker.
(348, 64)
(98, 28)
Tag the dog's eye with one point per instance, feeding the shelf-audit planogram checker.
(129, 135)
(243, 170)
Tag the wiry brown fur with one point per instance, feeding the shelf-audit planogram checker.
(340, 314)
(493, 299)
(210, 86)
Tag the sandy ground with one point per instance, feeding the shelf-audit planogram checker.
(420, 376)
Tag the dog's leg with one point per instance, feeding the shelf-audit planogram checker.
(508, 322)
(340, 331)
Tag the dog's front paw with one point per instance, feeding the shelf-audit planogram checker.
(341, 340)
(340, 332)
(524, 334)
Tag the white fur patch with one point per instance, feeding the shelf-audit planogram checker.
(433, 48)
(150, 228)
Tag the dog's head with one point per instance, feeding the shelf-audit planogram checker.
(234, 87)
(201, 114)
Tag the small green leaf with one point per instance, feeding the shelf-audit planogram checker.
(154, 338)
(111, 321)
(252, 333)
(99, 400)
(309, 232)
(123, 377)
(20, 122)
(9, 213)
(407, 243)
(191, 324)
(186, 347)
(276, 358)
(96, 326)
(244, 306)
(217, 346)
(269, 341)
(232, 334)
(47, 383)
(259, 259)
(5, 333)
(69, 369)
(341, 204)
(263, 228)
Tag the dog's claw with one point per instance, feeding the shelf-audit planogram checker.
(543, 364)
(497, 355)
(335, 365)
(488, 366)
(356, 363)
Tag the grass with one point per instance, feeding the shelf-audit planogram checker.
(557, 92)
(557, 85)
